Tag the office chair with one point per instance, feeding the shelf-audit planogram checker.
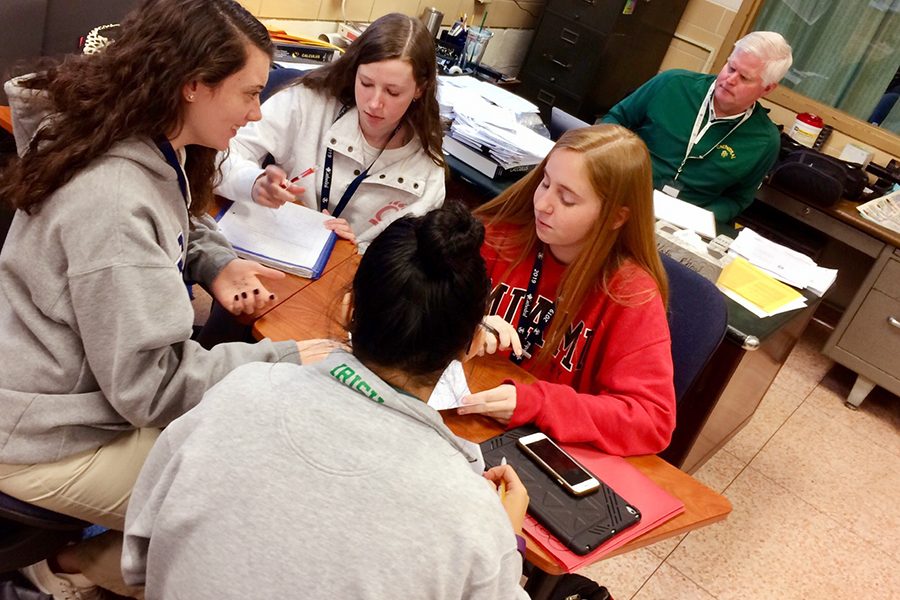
(29, 534)
(698, 319)
(279, 78)
(561, 122)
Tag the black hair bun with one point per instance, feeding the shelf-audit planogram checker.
(447, 238)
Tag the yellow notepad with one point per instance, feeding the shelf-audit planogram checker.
(759, 288)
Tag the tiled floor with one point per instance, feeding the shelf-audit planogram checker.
(816, 495)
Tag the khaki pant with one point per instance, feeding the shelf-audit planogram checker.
(93, 486)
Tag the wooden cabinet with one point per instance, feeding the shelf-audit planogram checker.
(587, 55)
(867, 338)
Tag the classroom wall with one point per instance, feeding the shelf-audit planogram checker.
(700, 34)
(513, 24)
(698, 38)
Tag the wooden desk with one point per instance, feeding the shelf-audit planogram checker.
(312, 313)
(285, 288)
(6, 118)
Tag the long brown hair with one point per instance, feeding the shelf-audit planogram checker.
(133, 87)
(619, 171)
(393, 36)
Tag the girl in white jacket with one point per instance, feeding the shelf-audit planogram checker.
(368, 122)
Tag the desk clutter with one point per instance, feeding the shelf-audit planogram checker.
(755, 272)
(490, 127)
(293, 49)
(884, 211)
(628, 504)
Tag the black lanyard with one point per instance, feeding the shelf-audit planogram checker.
(171, 157)
(537, 329)
(351, 189)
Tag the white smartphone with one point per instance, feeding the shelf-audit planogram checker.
(558, 464)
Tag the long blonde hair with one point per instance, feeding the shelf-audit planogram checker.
(620, 173)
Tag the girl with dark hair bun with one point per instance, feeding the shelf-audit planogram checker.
(112, 192)
(342, 458)
(369, 121)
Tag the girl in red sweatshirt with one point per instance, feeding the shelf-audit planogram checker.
(571, 253)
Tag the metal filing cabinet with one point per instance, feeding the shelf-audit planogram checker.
(587, 55)
(867, 338)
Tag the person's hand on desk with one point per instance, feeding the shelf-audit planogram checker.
(237, 287)
(513, 494)
(498, 403)
(341, 227)
(272, 188)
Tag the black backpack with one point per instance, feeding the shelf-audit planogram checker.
(579, 587)
(818, 178)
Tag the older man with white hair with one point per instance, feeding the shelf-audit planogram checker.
(711, 142)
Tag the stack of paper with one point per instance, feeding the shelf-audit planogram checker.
(684, 214)
(485, 117)
(884, 210)
(757, 292)
(292, 238)
(469, 88)
(782, 263)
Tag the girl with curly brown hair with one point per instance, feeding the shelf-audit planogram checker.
(111, 192)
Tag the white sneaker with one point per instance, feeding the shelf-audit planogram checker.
(62, 586)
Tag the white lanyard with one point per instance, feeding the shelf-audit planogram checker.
(697, 132)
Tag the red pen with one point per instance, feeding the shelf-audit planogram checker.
(305, 173)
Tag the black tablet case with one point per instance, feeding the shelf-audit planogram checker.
(582, 523)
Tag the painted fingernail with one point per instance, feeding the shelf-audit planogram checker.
(243, 294)
(256, 292)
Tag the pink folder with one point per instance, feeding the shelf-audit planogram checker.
(656, 505)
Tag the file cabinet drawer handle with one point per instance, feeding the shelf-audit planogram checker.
(558, 62)
(546, 97)
(569, 36)
(590, 2)
(894, 322)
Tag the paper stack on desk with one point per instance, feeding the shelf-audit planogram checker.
(756, 291)
(486, 119)
(884, 211)
(685, 215)
(782, 263)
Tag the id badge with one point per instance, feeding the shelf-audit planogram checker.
(672, 188)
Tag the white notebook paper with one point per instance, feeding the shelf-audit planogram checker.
(292, 238)
(685, 215)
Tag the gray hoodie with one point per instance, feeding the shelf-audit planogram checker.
(95, 320)
(338, 486)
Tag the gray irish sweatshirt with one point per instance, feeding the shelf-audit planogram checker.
(336, 486)
(95, 320)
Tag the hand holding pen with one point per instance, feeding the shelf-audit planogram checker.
(272, 188)
(513, 494)
(498, 335)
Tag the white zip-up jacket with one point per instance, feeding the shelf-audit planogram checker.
(298, 126)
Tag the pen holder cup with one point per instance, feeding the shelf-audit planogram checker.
(477, 39)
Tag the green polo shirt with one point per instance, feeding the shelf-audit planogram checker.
(662, 112)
